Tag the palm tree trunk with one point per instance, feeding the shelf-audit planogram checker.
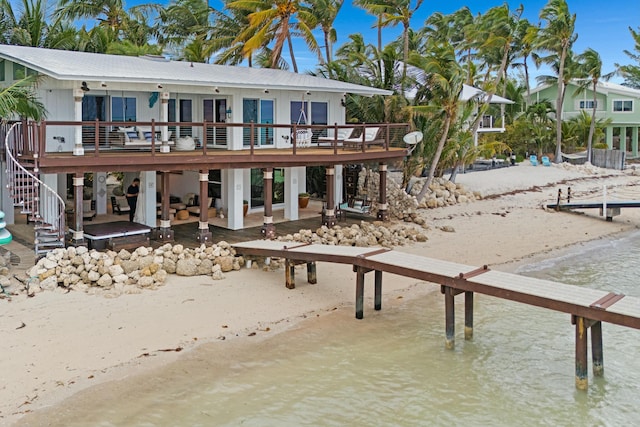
(291, 53)
(526, 81)
(592, 125)
(436, 158)
(327, 46)
(559, 100)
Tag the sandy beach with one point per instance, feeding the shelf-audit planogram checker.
(56, 344)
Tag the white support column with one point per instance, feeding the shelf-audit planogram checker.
(100, 192)
(148, 191)
(78, 149)
(338, 184)
(233, 185)
(164, 117)
(291, 190)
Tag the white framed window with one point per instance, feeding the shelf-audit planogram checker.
(587, 104)
(622, 105)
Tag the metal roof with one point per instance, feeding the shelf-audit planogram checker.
(603, 87)
(78, 66)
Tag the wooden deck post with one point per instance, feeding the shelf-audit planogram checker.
(360, 292)
(290, 274)
(268, 228)
(165, 233)
(596, 349)
(378, 290)
(582, 380)
(450, 317)
(329, 218)
(468, 315)
(383, 212)
(204, 235)
(311, 273)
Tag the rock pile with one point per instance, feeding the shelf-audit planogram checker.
(112, 274)
(442, 193)
(400, 205)
(366, 234)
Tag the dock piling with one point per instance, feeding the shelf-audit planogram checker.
(596, 349)
(378, 290)
(450, 317)
(468, 315)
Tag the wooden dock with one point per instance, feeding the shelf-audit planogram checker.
(611, 208)
(588, 307)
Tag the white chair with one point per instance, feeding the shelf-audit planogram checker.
(370, 138)
(343, 133)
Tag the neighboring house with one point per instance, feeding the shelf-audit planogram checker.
(618, 103)
(139, 113)
(488, 123)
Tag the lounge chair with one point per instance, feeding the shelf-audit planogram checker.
(370, 138)
(545, 161)
(343, 133)
(533, 159)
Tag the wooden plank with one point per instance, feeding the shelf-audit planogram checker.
(607, 301)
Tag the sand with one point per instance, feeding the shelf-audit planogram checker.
(58, 344)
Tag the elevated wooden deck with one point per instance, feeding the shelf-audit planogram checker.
(587, 307)
(136, 160)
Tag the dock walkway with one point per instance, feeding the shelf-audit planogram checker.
(587, 307)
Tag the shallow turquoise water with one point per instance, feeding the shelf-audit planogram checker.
(392, 368)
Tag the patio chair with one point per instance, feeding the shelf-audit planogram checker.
(343, 133)
(545, 161)
(533, 159)
(119, 205)
(370, 138)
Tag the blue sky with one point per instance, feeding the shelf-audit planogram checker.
(601, 25)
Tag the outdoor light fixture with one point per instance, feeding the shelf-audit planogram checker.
(84, 87)
(216, 90)
(229, 113)
(343, 103)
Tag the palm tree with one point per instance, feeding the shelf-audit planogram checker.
(20, 99)
(445, 79)
(591, 65)
(274, 20)
(557, 37)
(227, 25)
(525, 39)
(109, 13)
(34, 26)
(325, 12)
(631, 73)
(398, 12)
(184, 26)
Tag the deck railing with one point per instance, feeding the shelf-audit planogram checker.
(163, 137)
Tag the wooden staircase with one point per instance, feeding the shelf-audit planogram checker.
(42, 205)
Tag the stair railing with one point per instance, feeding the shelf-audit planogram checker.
(37, 199)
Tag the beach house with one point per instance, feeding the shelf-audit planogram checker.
(224, 134)
(614, 102)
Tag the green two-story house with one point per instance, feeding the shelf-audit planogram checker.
(618, 103)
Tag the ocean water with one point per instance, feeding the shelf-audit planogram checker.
(391, 369)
